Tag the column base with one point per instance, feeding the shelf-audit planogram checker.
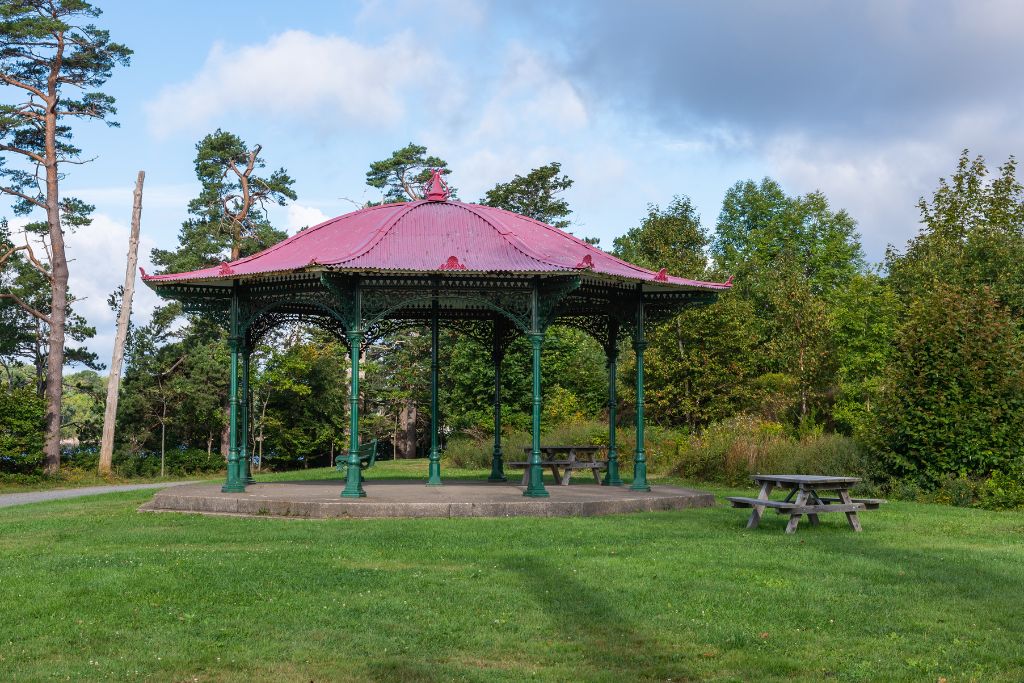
(232, 488)
(536, 493)
(353, 494)
(434, 470)
(611, 475)
(640, 486)
(497, 479)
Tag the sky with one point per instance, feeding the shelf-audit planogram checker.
(870, 102)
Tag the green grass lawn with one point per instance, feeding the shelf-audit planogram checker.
(73, 479)
(90, 589)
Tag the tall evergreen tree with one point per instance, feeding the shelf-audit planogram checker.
(53, 59)
(535, 195)
(228, 219)
(404, 175)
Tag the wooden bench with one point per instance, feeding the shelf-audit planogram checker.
(805, 487)
(868, 503)
(567, 464)
(367, 456)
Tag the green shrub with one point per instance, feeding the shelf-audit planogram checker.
(22, 421)
(953, 400)
(1003, 490)
(732, 450)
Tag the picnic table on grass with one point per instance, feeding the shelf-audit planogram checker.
(805, 488)
(568, 459)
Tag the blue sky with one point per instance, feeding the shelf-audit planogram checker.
(869, 101)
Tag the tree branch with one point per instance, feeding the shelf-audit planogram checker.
(24, 86)
(28, 153)
(21, 195)
(38, 315)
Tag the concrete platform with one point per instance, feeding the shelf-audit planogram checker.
(393, 498)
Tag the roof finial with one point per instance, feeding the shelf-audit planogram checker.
(586, 263)
(452, 264)
(437, 191)
(225, 269)
(661, 275)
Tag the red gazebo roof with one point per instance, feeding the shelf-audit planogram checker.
(432, 234)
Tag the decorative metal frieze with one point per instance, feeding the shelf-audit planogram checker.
(271, 320)
(551, 292)
(213, 303)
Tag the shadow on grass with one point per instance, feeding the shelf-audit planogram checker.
(598, 630)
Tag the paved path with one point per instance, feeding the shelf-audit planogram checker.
(9, 499)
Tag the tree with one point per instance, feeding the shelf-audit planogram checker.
(49, 51)
(228, 218)
(404, 176)
(972, 231)
(123, 320)
(791, 257)
(24, 337)
(699, 361)
(535, 195)
(953, 400)
(670, 238)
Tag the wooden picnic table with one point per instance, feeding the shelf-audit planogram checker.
(805, 488)
(568, 459)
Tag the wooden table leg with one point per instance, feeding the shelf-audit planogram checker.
(526, 475)
(814, 500)
(758, 511)
(597, 475)
(851, 517)
(794, 518)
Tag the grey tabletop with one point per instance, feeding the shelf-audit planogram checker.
(804, 479)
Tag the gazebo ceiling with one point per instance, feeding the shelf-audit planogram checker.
(434, 236)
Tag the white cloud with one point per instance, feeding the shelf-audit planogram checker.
(97, 256)
(300, 216)
(297, 75)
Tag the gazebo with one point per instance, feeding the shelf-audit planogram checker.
(481, 270)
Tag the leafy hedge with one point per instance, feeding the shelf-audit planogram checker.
(22, 422)
(954, 397)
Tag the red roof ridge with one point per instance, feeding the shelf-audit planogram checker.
(379, 234)
(303, 233)
(509, 235)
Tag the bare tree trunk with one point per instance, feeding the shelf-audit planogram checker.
(163, 440)
(123, 318)
(406, 446)
(225, 434)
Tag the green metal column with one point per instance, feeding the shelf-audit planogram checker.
(236, 481)
(354, 477)
(611, 475)
(535, 488)
(639, 344)
(497, 356)
(434, 468)
(246, 400)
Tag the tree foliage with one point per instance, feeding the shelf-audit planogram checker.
(535, 195)
(53, 59)
(403, 177)
(228, 219)
(953, 400)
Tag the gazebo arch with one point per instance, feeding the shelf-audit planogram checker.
(435, 261)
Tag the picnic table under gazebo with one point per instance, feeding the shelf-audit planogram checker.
(429, 263)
